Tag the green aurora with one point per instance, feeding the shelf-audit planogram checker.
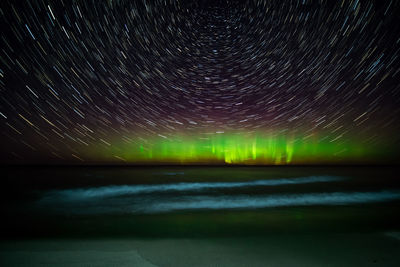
(240, 149)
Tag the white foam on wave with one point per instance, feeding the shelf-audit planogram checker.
(163, 204)
(82, 194)
(255, 202)
(147, 198)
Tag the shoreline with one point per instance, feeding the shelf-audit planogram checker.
(328, 249)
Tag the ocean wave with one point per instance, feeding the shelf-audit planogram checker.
(255, 202)
(139, 199)
(119, 190)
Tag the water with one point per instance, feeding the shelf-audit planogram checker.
(162, 198)
(198, 201)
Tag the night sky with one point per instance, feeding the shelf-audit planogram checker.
(248, 82)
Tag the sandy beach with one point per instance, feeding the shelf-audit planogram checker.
(340, 249)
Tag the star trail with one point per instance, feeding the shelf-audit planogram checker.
(246, 82)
